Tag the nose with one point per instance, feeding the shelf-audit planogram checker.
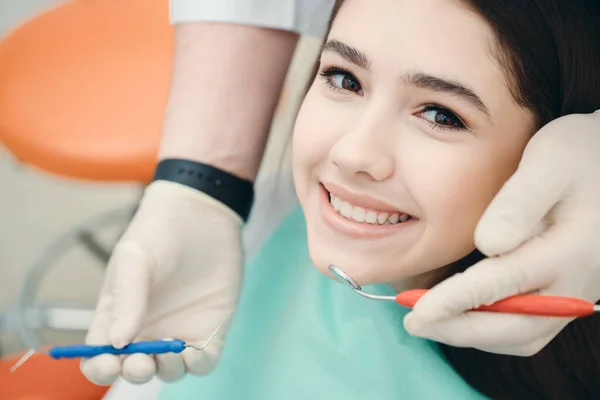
(365, 151)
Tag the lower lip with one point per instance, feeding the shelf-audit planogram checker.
(352, 228)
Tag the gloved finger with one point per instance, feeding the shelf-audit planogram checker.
(533, 266)
(131, 281)
(517, 335)
(518, 209)
(526, 349)
(102, 370)
(138, 368)
(169, 367)
(201, 362)
(484, 283)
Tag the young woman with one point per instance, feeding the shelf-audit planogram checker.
(418, 113)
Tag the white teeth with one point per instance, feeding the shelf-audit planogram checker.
(336, 202)
(359, 214)
(346, 210)
(371, 217)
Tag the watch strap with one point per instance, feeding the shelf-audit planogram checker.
(234, 192)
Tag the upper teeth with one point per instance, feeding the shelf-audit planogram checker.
(360, 214)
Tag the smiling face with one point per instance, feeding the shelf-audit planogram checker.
(404, 137)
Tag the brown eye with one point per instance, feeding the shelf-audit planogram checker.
(442, 118)
(342, 81)
(345, 82)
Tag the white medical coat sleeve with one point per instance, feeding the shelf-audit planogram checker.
(306, 17)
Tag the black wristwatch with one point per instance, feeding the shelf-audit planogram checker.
(234, 192)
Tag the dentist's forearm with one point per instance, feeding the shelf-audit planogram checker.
(226, 84)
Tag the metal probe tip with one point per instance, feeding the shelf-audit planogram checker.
(209, 339)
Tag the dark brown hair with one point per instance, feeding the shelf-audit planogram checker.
(550, 50)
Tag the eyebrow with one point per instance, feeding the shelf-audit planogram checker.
(457, 89)
(348, 53)
(417, 79)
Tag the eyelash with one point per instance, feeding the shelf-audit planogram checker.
(328, 72)
(434, 125)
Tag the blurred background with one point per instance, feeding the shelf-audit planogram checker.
(82, 88)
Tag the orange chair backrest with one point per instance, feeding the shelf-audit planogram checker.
(43, 378)
(88, 77)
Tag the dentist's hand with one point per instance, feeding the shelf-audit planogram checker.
(542, 232)
(175, 273)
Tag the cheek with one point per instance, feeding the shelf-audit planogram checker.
(315, 133)
(455, 189)
(304, 161)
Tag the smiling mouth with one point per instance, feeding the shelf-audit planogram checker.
(367, 216)
(364, 215)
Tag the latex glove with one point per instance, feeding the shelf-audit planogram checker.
(542, 231)
(175, 273)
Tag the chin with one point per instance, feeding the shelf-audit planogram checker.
(364, 270)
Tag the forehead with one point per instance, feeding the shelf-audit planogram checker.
(438, 37)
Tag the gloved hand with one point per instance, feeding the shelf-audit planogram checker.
(542, 231)
(175, 273)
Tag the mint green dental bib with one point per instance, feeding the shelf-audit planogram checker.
(298, 335)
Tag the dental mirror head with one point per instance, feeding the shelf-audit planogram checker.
(343, 278)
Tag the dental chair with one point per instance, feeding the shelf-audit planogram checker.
(83, 87)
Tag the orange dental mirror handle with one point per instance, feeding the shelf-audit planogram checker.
(530, 304)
